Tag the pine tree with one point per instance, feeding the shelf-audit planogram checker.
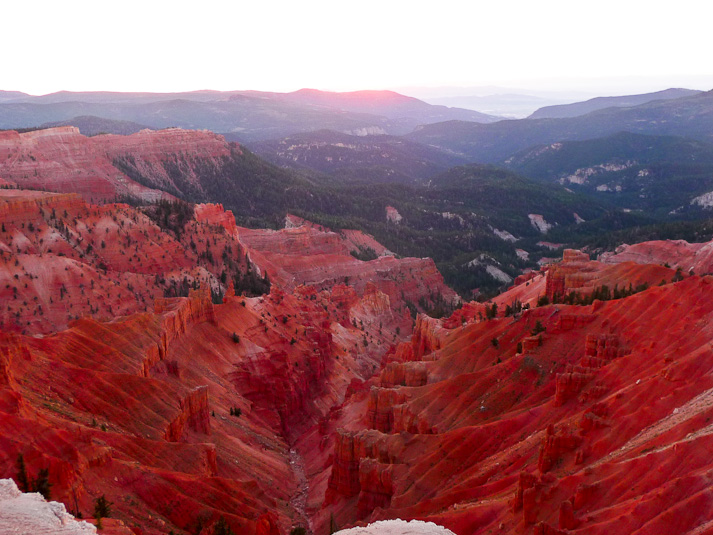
(42, 483)
(102, 507)
(22, 481)
(222, 528)
(332, 525)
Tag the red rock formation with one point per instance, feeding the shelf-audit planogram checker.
(191, 411)
(571, 383)
(344, 477)
(62, 259)
(542, 528)
(567, 518)
(156, 415)
(267, 524)
(194, 412)
(62, 160)
(428, 335)
(554, 445)
(350, 451)
(315, 256)
(404, 374)
(676, 253)
(576, 273)
(382, 401)
(469, 312)
(620, 452)
(377, 486)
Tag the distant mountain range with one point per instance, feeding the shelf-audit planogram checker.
(582, 108)
(7, 96)
(690, 116)
(241, 115)
(509, 105)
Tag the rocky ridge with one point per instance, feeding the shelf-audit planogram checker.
(62, 160)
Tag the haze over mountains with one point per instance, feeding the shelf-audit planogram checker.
(600, 103)
(686, 116)
(242, 115)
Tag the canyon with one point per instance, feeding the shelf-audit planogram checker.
(171, 406)
(193, 371)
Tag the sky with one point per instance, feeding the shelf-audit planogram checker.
(276, 45)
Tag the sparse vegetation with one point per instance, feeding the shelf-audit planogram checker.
(102, 507)
(539, 328)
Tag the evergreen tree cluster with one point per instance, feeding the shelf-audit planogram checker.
(39, 484)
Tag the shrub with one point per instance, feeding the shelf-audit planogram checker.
(221, 527)
(22, 481)
(539, 328)
(42, 483)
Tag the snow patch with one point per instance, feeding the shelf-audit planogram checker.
(292, 221)
(398, 527)
(487, 262)
(547, 261)
(481, 260)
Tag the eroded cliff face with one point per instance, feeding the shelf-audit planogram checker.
(601, 417)
(181, 410)
(577, 273)
(189, 410)
(696, 257)
(62, 259)
(105, 168)
(315, 256)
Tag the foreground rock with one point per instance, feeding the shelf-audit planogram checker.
(398, 527)
(30, 514)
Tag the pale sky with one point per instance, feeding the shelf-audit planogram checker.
(276, 45)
